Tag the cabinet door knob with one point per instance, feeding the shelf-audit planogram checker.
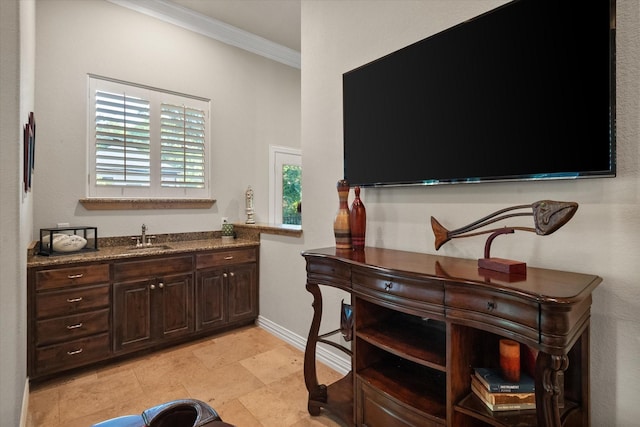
(232, 274)
(161, 285)
(152, 286)
(225, 275)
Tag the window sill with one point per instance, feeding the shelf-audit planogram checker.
(277, 229)
(135, 204)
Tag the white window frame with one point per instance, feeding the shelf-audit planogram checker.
(279, 156)
(156, 97)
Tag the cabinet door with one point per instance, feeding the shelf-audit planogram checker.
(173, 304)
(210, 299)
(152, 310)
(243, 292)
(132, 315)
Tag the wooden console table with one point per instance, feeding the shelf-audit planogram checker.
(423, 322)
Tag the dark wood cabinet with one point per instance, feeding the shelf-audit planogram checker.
(68, 317)
(149, 311)
(152, 301)
(423, 322)
(226, 288)
(84, 313)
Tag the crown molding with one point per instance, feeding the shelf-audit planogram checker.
(191, 20)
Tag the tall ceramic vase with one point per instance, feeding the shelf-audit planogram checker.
(341, 226)
(358, 221)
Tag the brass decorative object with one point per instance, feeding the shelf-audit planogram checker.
(548, 216)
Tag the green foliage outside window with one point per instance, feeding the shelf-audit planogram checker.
(291, 194)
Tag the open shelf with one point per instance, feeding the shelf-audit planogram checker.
(473, 406)
(422, 341)
(340, 398)
(412, 384)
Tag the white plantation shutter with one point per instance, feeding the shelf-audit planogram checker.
(182, 141)
(146, 142)
(122, 140)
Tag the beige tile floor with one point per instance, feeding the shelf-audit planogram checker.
(250, 377)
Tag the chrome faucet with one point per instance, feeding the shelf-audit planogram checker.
(143, 240)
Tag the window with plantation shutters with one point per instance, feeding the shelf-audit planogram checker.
(122, 140)
(146, 142)
(182, 131)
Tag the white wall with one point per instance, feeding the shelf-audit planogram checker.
(255, 103)
(603, 238)
(17, 49)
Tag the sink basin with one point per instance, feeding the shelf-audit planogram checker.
(149, 248)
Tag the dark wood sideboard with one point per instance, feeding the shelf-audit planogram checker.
(423, 322)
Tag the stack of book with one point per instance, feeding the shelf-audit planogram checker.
(501, 395)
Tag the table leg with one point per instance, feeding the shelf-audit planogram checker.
(548, 388)
(317, 392)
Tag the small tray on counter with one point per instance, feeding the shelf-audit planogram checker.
(67, 240)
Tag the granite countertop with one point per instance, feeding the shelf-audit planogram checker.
(112, 248)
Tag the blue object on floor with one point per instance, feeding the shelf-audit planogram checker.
(177, 413)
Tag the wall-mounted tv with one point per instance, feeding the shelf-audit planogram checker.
(525, 91)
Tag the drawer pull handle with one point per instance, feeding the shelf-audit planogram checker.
(388, 286)
(73, 352)
(76, 326)
(75, 276)
(230, 257)
(70, 300)
(491, 306)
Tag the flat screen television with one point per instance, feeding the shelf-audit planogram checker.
(525, 91)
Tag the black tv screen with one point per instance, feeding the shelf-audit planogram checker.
(525, 91)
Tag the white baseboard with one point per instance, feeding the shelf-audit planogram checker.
(25, 405)
(337, 362)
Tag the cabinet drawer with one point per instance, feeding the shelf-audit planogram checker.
(157, 267)
(328, 272)
(404, 290)
(375, 409)
(216, 259)
(72, 354)
(72, 276)
(70, 301)
(493, 308)
(71, 327)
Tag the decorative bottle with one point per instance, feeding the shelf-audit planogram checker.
(341, 226)
(358, 221)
